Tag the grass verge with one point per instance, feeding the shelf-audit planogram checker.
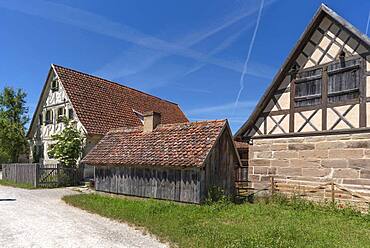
(16, 185)
(272, 223)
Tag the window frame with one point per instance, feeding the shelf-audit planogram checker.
(55, 85)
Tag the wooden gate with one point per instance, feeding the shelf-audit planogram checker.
(55, 175)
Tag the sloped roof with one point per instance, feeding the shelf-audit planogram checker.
(320, 14)
(102, 105)
(168, 145)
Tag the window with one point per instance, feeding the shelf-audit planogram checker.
(54, 85)
(49, 117)
(40, 119)
(49, 149)
(70, 114)
(308, 88)
(60, 114)
(344, 80)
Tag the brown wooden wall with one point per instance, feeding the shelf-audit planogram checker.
(221, 164)
(182, 185)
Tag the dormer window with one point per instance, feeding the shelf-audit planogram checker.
(54, 84)
(139, 115)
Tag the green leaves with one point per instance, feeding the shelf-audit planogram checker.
(13, 118)
(69, 144)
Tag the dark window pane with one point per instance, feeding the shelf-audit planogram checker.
(70, 114)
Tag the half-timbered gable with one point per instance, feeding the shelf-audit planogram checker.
(322, 86)
(312, 124)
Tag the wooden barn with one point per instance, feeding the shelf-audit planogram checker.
(312, 125)
(177, 162)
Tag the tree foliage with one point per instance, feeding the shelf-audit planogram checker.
(13, 118)
(69, 144)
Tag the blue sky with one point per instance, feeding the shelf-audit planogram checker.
(190, 52)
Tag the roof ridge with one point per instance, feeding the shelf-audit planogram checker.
(116, 83)
(140, 128)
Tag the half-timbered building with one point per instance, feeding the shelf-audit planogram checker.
(313, 122)
(95, 104)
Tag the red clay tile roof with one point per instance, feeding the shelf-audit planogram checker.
(169, 145)
(102, 105)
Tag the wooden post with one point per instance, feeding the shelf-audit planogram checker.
(272, 185)
(332, 192)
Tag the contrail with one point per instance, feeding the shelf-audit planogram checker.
(245, 68)
(368, 22)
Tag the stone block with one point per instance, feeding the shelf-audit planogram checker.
(262, 155)
(280, 163)
(315, 139)
(313, 154)
(361, 136)
(365, 174)
(260, 162)
(289, 171)
(346, 173)
(315, 172)
(357, 181)
(260, 170)
(338, 137)
(279, 147)
(285, 154)
(359, 163)
(330, 145)
(346, 153)
(358, 144)
(259, 148)
(334, 163)
(271, 171)
(302, 146)
(308, 163)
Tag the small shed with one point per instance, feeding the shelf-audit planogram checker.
(178, 162)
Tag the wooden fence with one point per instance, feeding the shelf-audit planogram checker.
(20, 173)
(39, 175)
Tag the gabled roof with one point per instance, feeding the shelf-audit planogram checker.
(168, 145)
(102, 105)
(318, 17)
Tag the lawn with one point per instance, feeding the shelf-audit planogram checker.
(277, 223)
(17, 185)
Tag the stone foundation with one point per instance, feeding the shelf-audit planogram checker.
(312, 160)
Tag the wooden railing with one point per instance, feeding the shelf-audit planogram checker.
(331, 191)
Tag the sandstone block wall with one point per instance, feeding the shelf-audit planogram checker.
(310, 160)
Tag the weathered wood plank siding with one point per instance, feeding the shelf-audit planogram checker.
(162, 183)
(20, 173)
(220, 166)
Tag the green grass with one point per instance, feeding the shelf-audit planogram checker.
(16, 185)
(276, 223)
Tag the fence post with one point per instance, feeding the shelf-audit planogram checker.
(332, 192)
(272, 181)
(37, 174)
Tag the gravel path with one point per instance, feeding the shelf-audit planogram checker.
(39, 218)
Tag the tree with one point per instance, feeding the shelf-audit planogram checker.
(13, 118)
(69, 144)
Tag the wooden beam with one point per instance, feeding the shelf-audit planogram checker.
(324, 98)
(362, 110)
